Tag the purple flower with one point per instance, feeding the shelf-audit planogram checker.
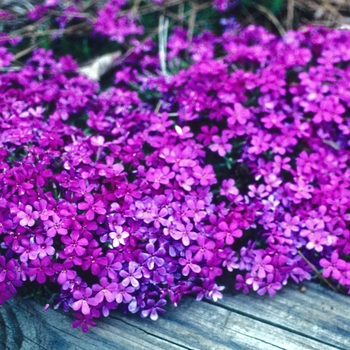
(195, 210)
(270, 286)
(241, 284)
(124, 294)
(184, 233)
(153, 257)
(5, 223)
(112, 267)
(206, 134)
(160, 176)
(152, 308)
(206, 175)
(118, 236)
(132, 275)
(262, 265)
(239, 115)
(204, 249)
(290, 224)
(84, 321)
(252, 279)
(188, 265)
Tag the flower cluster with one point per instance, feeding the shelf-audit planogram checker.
(137, 195)
(118, 216)
(272, 115)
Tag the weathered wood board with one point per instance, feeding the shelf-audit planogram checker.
(317, 319)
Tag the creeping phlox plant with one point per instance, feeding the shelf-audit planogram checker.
(137, 195)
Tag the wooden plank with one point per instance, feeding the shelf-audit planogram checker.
(199, 326)
(52, 329)
(208, 326)
(318, 314)
(237, 322)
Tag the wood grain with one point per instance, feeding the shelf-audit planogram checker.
(317, 319)
(319, 313)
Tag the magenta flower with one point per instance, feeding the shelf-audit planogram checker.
(43, 209)
(5, 223)
(228, 232)
(185, 180)
(302, 190)
(220, 145)
(128, 191)
(228, 188)
(270, 286)
(45, 246)
(206, 175)
(105, 290)
(28, 216)
(317, 241)
(70, 216)
(64, 272)
(160, 176)
(333, 268)
(92, 207)
(83, 301)
(84, 321)
(241, 284)
(207, 134)
(39, 269)
(8, 269)
(112, 267)
(204, 249)
(239, 115)
(94, 261)
(54, 226)
(74, 243)
(253, 280)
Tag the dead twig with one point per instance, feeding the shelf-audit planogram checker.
(191, 23)
(290, 14)
(27, 50)
(135, 8)
(272, 18)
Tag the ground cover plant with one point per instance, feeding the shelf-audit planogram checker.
(207, 154)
